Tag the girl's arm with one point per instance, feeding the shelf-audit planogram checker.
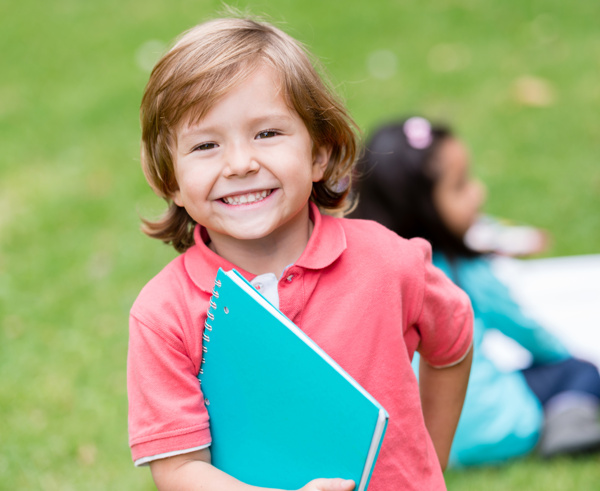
(442, 395)
(193, 471)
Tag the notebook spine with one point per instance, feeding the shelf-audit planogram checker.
(210, 316)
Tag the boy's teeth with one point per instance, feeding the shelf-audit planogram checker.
(246, 198)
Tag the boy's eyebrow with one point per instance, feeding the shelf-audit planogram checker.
(270, 118)
(276, 117)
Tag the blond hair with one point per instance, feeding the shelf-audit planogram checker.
(204, 64)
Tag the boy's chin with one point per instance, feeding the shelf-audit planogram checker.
(254, 234)
(246, 233)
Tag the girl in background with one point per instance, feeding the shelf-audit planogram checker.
(415, 179)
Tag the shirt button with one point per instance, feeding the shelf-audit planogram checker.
(258, 286)
(290, 278)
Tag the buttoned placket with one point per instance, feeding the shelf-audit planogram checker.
(267, 285)
(291, 293)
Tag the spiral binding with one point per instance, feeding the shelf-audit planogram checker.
(210, 315)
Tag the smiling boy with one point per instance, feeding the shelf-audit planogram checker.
(249, 147)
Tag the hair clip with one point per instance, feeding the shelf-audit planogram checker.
(418, 132)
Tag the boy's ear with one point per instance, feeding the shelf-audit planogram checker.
(176, 197)
(321, 156)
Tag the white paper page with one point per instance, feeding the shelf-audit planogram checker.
(562, 294)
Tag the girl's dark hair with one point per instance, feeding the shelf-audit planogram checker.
(396, 178)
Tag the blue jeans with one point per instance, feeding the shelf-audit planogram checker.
(549, 380)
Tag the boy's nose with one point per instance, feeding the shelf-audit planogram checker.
(240, 161)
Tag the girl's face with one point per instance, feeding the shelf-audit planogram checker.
(457, 195)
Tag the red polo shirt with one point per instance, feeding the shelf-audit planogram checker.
(366, 296)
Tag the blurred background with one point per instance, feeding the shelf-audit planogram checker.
(519, 80)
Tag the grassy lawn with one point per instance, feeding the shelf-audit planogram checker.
(518, 79)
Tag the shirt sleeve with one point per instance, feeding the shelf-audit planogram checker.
(499, 310)
(445, 322)
(166, 406)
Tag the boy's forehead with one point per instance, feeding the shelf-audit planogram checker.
(198, 114)
(273, 117)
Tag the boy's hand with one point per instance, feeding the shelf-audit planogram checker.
(329, 485)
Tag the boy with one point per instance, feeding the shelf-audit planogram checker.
(246, 143)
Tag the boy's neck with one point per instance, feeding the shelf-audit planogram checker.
(271, 254)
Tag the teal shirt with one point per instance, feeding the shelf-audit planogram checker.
(501, 416)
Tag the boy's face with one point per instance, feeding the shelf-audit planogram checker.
(246, 170)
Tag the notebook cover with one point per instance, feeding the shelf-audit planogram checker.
(280, 413)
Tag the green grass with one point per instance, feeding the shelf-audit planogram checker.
(565, 474)
(72, 258)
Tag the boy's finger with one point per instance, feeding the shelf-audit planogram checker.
(347, 485)
(334, 484)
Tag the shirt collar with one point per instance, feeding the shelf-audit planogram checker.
(326, 244)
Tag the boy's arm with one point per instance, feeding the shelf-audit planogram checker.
(193, 471)
(442, 395)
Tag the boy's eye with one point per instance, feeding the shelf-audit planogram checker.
(205, 146)
(266, 134)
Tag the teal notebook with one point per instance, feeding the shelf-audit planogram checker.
(282, 412)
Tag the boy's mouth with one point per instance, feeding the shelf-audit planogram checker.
(242, 199)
